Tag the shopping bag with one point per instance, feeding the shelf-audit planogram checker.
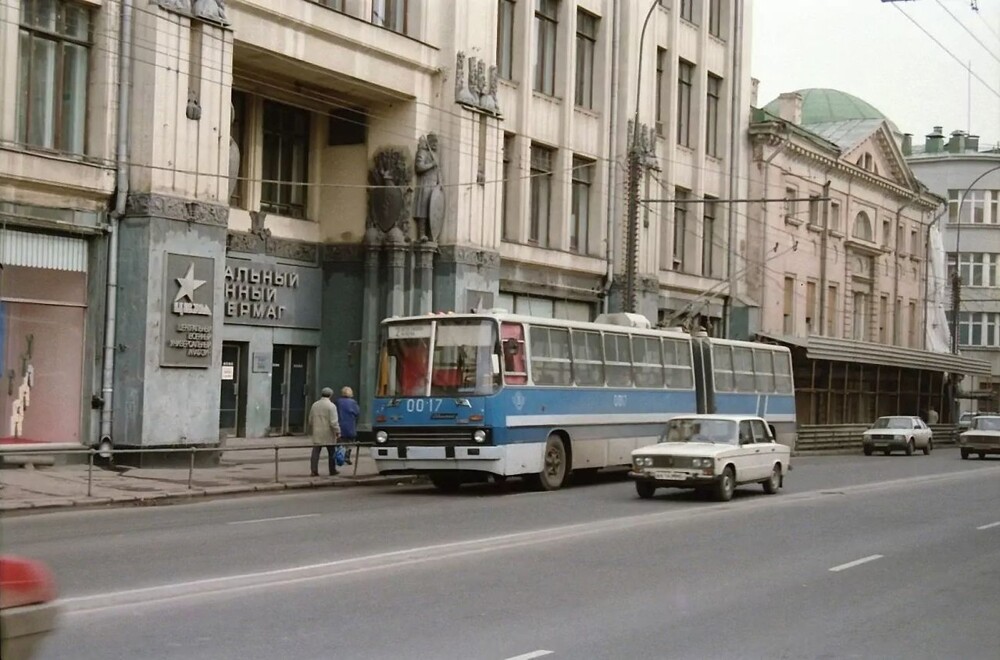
(338, 456)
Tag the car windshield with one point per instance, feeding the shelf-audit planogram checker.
(700, 430)
(893, 423)
(986, 423)
(966, 416)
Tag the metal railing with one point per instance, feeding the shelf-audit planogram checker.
(847, 437)
(92, 453)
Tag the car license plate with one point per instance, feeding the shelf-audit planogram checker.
(670, 475)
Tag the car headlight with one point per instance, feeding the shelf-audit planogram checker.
(701, 462)
(479, 436)
(646, 461)
(381, 436)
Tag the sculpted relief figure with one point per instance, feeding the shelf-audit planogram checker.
(179, 6)
(211, 10)
(234, 153)
(462, 93)
(388, 197)
(428, 203)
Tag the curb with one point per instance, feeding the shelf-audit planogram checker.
(50, 505)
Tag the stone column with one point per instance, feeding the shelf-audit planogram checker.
(397, 278)
(425, 276)
(369, 333)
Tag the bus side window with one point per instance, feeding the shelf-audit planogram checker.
(783, 372)
(743, 369)
(763, 369)
(722, 357)
(515, 365)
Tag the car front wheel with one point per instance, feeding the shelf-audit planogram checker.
(909, 447)
(772, 484)
(928, 447)
(868, 451)
(965, 454)
(645, 489)
(726, 484)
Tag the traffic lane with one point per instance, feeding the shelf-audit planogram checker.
(755, 572)
(131, 548)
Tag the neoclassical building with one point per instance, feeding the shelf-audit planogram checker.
(838, 260)
(209, 206)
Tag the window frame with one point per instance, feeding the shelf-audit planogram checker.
(685, 89)
(546, 44)
(539, 226)
(586, 53)
(713, 105)
(301, 132)
(506, 18)
(582, 194)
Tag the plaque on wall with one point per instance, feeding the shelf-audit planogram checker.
(261, 363)
(188, 311)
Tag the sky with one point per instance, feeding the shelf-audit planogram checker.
(869, 48)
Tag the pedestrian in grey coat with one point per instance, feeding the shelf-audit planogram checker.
(325, 429)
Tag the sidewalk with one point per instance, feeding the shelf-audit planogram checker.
(46, 488)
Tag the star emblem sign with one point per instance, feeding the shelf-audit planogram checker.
(188, 285)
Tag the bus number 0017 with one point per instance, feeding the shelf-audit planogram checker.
(619, 400)
(421, 405)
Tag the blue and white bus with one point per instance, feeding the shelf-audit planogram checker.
(462, 397)
(747, 378)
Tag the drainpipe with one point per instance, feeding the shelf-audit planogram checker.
(895, 275)
(609, 276)
(735, 111)
(121, 195)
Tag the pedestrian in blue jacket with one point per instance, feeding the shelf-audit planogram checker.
(348, 412)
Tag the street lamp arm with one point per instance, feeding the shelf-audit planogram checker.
(638, 82)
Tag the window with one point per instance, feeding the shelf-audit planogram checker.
(715, 18)
(514, 358)
(886, 234)
(647, 361)
(390, 14)
(722, 361)
(788, 312)
(240, 104)
(505, 40)
(862, 227)
(508, 213)
(53, 59)
(712, 146)
(661, 70)
(743, 369)
(708, 240)
(883, 320)
(588, 365)
(831, 311)
(677, 362)
(980, 207)
(783, 372)
(550, 356)
(687, 10)
(814, 209)
(680, 226)
(541, 194)
(285, 160)
(791, 206)
(860, 316)
(546, 26)
(912, 339)
(834, 216)
(977, 269)
(763, 367)
(336, 5)
(979, 329)
(617, 360)
(579, 229)
(685, 79)
(810, 308)
(586, 44)
(914, 243)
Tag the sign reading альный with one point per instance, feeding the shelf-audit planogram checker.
(272, 295)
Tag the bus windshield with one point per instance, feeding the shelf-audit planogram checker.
(465, 359)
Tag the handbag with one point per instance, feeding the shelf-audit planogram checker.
(338, 456)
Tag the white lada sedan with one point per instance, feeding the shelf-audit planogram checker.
(983, 437)
(712, 454)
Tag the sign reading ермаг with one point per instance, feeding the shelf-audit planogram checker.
(275, 295)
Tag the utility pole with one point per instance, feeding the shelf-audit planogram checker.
(631, 302)
(823, 258)
(956, 299)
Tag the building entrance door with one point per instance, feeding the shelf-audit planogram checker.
(291, 389)
(232, 394)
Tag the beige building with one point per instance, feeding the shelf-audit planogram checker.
(287, 174)
(843, 281)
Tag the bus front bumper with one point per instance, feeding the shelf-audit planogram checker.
(411, 453)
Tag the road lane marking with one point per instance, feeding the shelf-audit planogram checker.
(996, 524)
(528, 656)
(396, 559)
(260, 520)
(856, 562)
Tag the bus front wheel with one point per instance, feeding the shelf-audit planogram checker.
(446, 483)
(554, 465)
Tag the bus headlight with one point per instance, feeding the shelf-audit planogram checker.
(381, 437)
(479, 436)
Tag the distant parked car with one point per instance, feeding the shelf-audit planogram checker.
(711, 453)
(28, 606)
(897, 433)
(983, 437)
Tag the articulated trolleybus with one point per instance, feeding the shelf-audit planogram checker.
(463, 397)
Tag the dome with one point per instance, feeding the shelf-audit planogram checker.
(820, 106)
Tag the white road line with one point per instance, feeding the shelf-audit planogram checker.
(996, 524)
(856, 562)
(260, 520)
(528, 656)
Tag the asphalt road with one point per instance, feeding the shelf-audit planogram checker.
(881, 557)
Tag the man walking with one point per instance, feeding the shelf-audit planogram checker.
(348, 413)
(325, 429)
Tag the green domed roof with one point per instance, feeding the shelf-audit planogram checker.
(820, 106)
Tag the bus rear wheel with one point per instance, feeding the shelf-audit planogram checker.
(554, 466)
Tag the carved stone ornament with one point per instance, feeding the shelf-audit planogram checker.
(175, 208)
(462, 94)
(179, 6)
(477, 78)
(469, 256)
(213, 11)
(234, 154)
(488, 101)
(429, 199)
(283, 248)
(389, 196)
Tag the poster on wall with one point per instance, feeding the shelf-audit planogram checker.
(188, 311)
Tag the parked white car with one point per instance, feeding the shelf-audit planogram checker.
(983, 437)
(711, 453)
(898, 433)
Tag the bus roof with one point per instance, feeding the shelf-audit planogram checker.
(748, 344)
(535, 320)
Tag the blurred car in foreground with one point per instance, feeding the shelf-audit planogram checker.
(983, 437)
(897, 433)
(712, 454)
(28, 606)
